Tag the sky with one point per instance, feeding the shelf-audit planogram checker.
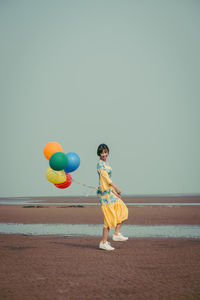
(82, 73)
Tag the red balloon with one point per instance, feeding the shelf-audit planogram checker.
(65, 184)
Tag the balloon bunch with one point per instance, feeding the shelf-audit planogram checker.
(61, 165)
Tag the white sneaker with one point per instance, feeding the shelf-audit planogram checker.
(119, 238)
(105, 246)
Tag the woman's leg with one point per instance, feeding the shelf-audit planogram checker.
(117, 236)
(117, 229)
(105, 234)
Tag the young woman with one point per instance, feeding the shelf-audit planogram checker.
(113, 208)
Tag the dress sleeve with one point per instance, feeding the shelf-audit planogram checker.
(105, 181)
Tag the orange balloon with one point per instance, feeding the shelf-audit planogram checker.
(51, 148)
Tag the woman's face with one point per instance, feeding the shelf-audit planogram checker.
(104, 155)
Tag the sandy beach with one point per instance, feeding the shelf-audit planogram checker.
(89, 214)
(56, 267)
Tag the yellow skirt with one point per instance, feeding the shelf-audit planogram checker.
(114, 213)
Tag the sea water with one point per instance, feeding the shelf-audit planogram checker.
(132, 231)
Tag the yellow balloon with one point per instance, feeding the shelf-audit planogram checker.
(55, 176)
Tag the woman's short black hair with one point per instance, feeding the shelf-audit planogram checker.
(101, 148)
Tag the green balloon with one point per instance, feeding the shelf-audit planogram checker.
(58, 161)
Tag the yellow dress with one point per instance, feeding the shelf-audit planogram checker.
(113, 208)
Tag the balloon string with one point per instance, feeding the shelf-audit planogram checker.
(86, 195)
(91, 189)
(85, 185)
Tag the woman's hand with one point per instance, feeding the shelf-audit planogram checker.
(116, 194)
(118, 191)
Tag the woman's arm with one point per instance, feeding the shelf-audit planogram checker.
(118, 192)
(105, 181)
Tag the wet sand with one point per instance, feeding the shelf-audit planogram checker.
(54, 267)
(147, 215)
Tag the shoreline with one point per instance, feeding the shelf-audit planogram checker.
(126, 199)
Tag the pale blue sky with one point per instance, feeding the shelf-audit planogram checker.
(124, 73)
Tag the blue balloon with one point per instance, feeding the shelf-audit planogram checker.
(73, 162)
